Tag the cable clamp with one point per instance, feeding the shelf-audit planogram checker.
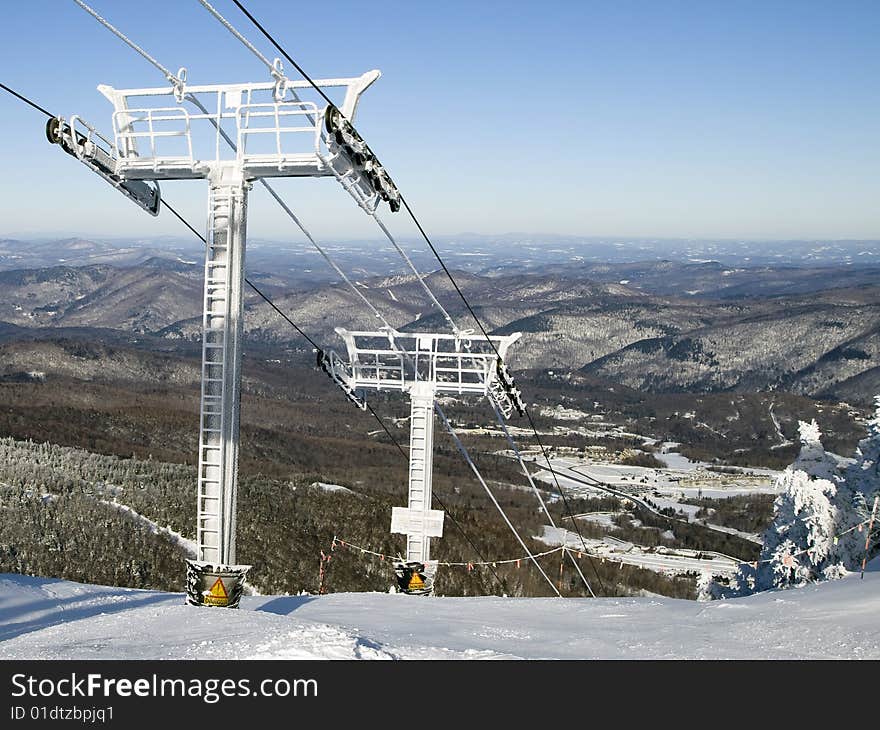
(463, 338)
(179, 84)
(391, 334)
(281, 80)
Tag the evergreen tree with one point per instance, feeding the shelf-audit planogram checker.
(863, 476)
(800, 546)
(812, 459)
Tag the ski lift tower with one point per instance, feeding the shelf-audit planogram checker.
(424, 365)
(276, 134)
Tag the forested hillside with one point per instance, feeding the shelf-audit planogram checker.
(56, 522)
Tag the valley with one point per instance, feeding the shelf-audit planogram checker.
(660, 412)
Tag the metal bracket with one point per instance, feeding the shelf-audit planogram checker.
(508, 397)
(275, 136)
(337, 370)
(343, 140)
(80, 139)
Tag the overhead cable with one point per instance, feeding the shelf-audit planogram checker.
(464, 452)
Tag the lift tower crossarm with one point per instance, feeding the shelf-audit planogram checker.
(154, 135)
(423, 365)
(156, 138)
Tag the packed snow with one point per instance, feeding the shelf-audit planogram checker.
(44, 618)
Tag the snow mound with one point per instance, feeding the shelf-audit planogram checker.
(325, 487)
(44, 618)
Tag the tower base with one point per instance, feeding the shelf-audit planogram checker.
(414, 578)
(220, 586)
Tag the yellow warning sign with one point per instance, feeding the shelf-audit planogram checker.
(217, 596)
(415, 582)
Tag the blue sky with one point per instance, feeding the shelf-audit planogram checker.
(667, 119)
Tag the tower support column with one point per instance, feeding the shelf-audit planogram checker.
(417, 520)
(221, 366)
(421, 463)
(222, 332)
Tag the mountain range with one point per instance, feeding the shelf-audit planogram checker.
(656, 326)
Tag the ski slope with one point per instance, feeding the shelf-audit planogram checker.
(670, 561)
(43, 618)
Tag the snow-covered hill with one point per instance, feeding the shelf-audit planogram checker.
(806, 343)
(42, 618)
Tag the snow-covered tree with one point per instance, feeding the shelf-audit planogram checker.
(812, 458)
(863, 476)
(799, 546)
(818, 529)
(706, 587)
(860, 486)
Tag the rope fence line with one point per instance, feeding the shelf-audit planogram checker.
(470, 565)
(325, 557)
(337, 542)
(473, 564)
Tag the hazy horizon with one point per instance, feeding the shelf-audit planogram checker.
(463, 235)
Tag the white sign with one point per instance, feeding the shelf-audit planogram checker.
(416, 522)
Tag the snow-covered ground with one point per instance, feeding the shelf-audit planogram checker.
(670, 561)
(661, 486)
(638, 484)
(44, 618)
(188, 547)
(325, 487)
(604, 519)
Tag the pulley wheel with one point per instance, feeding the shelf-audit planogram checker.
(53, 130)
(331, 119)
